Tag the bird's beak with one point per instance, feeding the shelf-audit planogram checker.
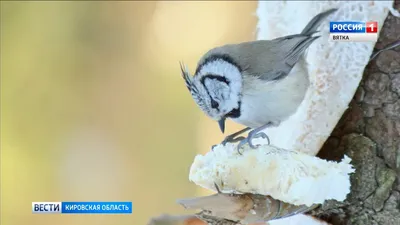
(221, 124)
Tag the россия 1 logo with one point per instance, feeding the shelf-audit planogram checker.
(354, 31)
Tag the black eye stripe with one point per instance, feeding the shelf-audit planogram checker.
(214, 77)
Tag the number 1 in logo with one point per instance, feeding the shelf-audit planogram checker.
(372, 27)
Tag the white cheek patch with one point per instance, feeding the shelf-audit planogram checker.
(232, 74)
(218, 90)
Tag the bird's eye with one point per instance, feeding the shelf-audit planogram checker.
(214, 104)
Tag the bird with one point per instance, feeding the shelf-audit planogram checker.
(257, 84)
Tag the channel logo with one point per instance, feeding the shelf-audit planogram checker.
(352, 31)
(82, 207)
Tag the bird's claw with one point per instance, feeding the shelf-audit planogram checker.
(229, 139)
(232, 139)
(261, 135)
(249, 140)
(240, 145)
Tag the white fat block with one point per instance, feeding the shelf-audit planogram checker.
(289, 176)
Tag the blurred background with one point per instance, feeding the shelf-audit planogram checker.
(93, 106)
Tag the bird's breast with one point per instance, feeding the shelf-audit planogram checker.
(274, 101)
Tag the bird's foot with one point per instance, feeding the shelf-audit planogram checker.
(249, 140)
(233, 138)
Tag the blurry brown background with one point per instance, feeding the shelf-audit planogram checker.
(93, 107)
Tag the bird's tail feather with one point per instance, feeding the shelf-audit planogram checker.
(313, 25)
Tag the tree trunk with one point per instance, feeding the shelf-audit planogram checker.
(369, 133)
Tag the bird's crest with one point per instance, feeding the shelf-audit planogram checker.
(186, 77)
(191, 86)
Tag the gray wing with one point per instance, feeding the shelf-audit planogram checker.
(276, 58)
(271, 59)
(265, 59)
(289, 49)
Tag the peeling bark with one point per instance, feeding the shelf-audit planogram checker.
(369, 133)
